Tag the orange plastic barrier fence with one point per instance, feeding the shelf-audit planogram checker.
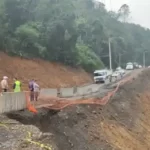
(30, 107)
(61, 104)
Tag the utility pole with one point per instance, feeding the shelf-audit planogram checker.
(119, 60)
(110, 59)
(144, 59)
(110, 56)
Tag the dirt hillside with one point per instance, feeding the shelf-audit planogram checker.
(48, 74)
(122, 124)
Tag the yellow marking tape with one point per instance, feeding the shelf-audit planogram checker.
(3, 125)
(29, 139)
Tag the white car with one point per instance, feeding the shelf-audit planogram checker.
(129, 66)
(116, 74)
(119, 69)
(101, 75)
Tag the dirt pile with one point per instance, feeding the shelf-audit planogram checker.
(48, 74)
(123, 124)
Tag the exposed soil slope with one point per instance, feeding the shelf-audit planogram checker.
(123, 124)
(48, 74)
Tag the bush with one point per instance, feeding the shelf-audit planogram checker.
(88, 59)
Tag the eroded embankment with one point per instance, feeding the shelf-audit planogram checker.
(122, 124)
(47, 74)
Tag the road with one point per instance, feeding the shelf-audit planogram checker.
(88, 89)
(95, 89)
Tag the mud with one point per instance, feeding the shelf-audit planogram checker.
(123, 124)
(47, 74)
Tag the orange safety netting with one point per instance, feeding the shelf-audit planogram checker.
(59, 104)
(30, 107)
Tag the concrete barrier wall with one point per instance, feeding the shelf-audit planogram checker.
(84, 90)
(95, 88)
(67, 92)
(12, 102)
(17, 101)
(48, 92)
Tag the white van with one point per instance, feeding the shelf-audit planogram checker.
(101, 75)
(129, 66)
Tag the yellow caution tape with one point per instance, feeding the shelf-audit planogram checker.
(3, 125)
(28, 139)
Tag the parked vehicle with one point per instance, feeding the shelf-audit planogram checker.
(101, 75)
(120, 70)
(129, 66)
(140, 66)
(136, 66)
(116, 74)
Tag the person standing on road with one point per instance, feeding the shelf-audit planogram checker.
(17, 85)
(31, 88)
(4, 84)
(36, 88)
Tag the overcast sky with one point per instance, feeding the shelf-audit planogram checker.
(140, 9)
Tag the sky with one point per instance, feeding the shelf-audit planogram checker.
(140, 9)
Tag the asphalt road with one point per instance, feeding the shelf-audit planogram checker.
(96, 89)
(108, 82)
(88, 89)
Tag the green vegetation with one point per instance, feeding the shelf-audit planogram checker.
(74, 32)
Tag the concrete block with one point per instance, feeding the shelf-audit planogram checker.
(84, 90)
(96, 88)
(12, 102)
(48, 92)
(2, 104)
(67, 92)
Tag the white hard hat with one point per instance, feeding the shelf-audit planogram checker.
(5, 77)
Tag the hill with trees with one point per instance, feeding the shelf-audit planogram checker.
(72, 32)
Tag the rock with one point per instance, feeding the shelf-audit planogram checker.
(94, 112)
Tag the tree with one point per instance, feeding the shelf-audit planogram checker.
(73, 32)
(124, 12)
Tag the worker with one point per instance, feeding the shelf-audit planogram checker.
(4, 84)
(31, 88)
(36, 88)
(17, 85)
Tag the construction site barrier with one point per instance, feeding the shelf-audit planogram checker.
(70, 92)
(12, 102)
(81, 91)
(67, 92)
(49, 92)
(60, 104)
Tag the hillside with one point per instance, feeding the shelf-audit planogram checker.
(48, 74)
(122, 124)
(72, 32)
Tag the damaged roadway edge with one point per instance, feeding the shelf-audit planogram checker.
(74, 128)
